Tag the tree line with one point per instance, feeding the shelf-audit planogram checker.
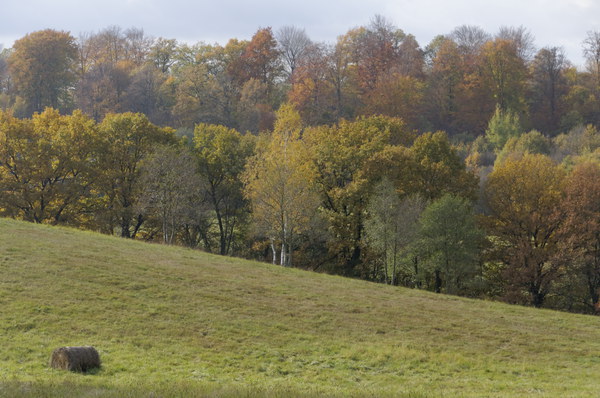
(367, 198)
(412, 170)
(453, 84)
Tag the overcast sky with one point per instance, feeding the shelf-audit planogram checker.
(552, 22)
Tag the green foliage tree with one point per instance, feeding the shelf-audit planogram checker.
(390, 228)
(222, 154)
(532, 142)
(582, 140)
(503, 125)
(449, 244)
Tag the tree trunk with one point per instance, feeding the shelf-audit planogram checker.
(438, 281)
(416, 268)
(538, 299)
(138, 225)
(125, 232)
(283, 252)
(274, 250)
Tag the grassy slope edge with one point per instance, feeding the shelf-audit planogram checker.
(169, 321)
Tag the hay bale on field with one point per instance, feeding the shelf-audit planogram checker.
(75, 359)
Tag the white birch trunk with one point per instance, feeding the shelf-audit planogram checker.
(274, 250)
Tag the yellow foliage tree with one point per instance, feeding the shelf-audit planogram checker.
(524, 197)
(45, 165)
(278, 184)
(126, 139)
(340, 155)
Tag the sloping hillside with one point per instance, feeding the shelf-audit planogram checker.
(175, 322)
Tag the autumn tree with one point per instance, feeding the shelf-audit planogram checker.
(442, 91)
(581, 230)
(256, 72)
(4, 76)
(113, 45)
(504, 73)
(581, 99)
(397, 164)
(439, 168)
(549, 86)
(376, 49)
(199, 97)
(396, 95)
(312, 91)
(473, 103)
(104, 71)
(388, 66)
(325, 84)
(412, 58)
(42, 67)
(278, 182)
(149, 93)
(524, 197)
(339, 154)
(46, 166)
(254, 113)
(163, 54)
(126, 140)
(210, 81)
(259, 60)
(107, 63)
(343, 76)
(137, 45)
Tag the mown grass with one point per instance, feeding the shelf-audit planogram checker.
(175, 322)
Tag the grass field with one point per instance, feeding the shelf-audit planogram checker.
(175, 322)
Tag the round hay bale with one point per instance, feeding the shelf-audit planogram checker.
(75, 359)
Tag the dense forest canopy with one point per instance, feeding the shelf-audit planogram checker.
(470, 166)
(453, 83)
